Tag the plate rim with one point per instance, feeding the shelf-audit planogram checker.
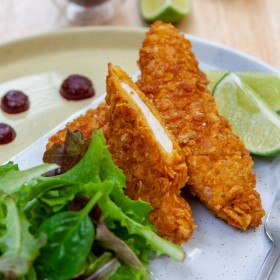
(139, 31)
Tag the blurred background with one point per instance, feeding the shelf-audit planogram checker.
(251, 26)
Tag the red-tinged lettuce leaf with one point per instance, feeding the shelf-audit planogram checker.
(93, 263)
(126, 272)
(110, 241)
(68, 154)
(105, 271)
(96, 165)
(107, 267)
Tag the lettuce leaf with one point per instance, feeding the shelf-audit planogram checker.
(7, 167)
(12, 181)
(68, 154)
(35, 199)
(131, 214)
(96, 165)
(20, 247)
(69, 234)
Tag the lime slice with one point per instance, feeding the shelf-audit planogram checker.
(165, 10)
(250, 116)
(264, 84)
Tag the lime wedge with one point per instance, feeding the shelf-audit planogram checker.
(249, 115)
(165, 10)
(214, 76)
(264, 84)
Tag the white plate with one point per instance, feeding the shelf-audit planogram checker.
(216, 250)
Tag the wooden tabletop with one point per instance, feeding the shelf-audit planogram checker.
(251, 26)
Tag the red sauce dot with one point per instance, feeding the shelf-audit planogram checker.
(77, 87)
(14, 102)
(7, 134)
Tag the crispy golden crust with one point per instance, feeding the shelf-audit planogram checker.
(152, 173)
(91, 120)
(219, 166)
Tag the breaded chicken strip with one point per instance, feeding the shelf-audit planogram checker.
(219, 166)
(153, 173)
(149, 156)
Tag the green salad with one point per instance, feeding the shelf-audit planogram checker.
(78, 224)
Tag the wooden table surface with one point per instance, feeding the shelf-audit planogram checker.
(251, 26)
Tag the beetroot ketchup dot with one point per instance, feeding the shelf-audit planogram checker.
(77, 87)
(14, 101)
(7, 134)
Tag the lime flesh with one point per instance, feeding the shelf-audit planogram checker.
(165, 10)
(214, 76)
(265, 85)
(249, 115)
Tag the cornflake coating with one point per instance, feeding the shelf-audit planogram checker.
(153, 174)
(93, 119)
(219, 166)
